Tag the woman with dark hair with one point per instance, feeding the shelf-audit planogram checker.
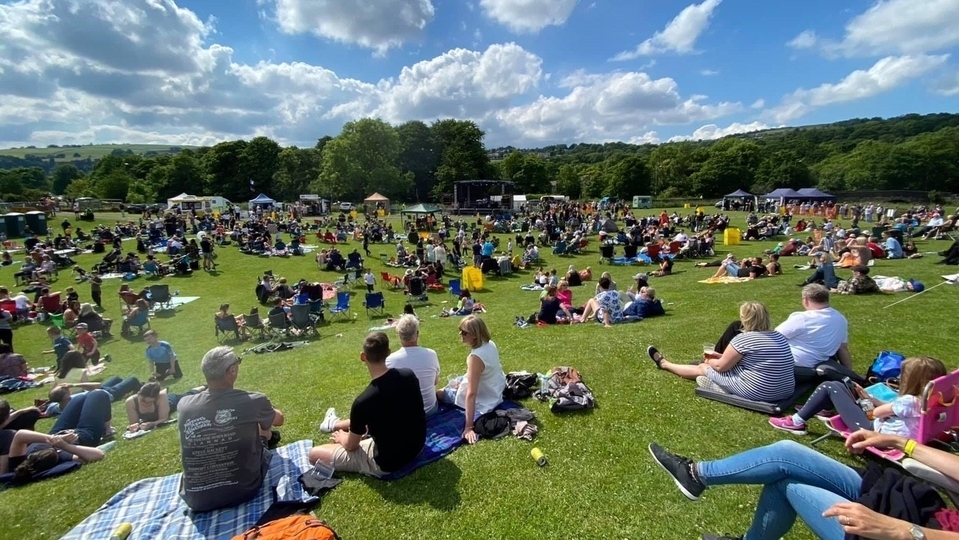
(72, 369)
(550, 306)
(32, 453)
(152, 406)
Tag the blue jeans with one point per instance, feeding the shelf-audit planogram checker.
(118, 388)
(796, 480)
(86, 414)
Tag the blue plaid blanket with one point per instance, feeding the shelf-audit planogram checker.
(444, 432)
(154, 507)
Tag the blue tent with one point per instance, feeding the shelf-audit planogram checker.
(261, 200)
(739, 194)
(813, 194)
(783, 193)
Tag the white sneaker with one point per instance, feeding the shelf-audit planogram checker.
(329, 421)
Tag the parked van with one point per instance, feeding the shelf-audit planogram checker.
(642, 201)
(201, 205)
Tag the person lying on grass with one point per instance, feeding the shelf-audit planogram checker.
(152, 406)
(757, 364)
(800, 482)
(860, 411)
(32, 453)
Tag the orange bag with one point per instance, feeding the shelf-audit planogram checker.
(296, 527)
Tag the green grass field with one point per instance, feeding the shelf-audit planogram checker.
(600, 481)
(95, 151)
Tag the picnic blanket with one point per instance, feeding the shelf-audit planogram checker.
(155, 509)
(180, 300)
(725, 279)
(444, 432)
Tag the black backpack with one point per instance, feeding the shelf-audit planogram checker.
(519, 385)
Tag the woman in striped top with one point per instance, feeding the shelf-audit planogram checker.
(757, 364)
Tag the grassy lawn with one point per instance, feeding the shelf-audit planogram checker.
(600, 481)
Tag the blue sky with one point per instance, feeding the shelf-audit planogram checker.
(529, 72)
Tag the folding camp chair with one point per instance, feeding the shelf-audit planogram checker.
(225, 325)
(51, 304)
(254, 325)
(279, 325)
(652, 251)
(630, 250)
(394, 281)
(140, 320)
(303, 321)
(160, 296)
(416, 291)
(455, 288)
(938, 415)
(375, 304)
(606, 253)
(560, 248)
(342, 307)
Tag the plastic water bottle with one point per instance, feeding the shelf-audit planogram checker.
(106, 447)
(543, 385)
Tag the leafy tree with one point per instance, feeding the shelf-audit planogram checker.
(63, 175)
(297, 168)
(419, 156)
(630, 176)
(462, 155)
(363, 159)
(224, 167)
(260, 159)
(568, 182)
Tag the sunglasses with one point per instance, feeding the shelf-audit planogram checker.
(464, 332)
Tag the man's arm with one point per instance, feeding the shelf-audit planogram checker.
(844, 357)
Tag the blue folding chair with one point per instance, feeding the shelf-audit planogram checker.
(375, 304)
(342, 307)
(455, 288)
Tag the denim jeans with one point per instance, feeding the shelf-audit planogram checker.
(796, 480)
(118, 388)
(86, 414)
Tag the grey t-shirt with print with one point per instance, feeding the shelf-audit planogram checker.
(224, 458)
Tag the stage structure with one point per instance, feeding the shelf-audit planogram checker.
(482, 196)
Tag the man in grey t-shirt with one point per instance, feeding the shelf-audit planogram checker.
(223, 434)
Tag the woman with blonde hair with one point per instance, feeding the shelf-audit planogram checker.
(481, 389)
(757, 364)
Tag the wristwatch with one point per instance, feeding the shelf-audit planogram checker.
(917, 533)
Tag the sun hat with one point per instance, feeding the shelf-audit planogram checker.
(641, 275)
(917, 286)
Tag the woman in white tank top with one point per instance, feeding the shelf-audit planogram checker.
(482, 388)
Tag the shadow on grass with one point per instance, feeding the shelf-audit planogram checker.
(435, 484)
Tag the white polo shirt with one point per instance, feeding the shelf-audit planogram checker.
(814, 335)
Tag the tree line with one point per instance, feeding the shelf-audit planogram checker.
(415, 161)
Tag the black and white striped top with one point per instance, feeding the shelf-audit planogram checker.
(765, 372)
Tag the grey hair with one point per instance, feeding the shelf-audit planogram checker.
(216, 362)
(407, 328)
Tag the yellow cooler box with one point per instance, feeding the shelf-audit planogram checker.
(732, 236)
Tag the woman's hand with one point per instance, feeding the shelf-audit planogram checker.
(859, 520)
(133, 428)
(858, 441)
(470, 435)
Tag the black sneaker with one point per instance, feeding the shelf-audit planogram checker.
(681, 469)
(711, 536)
(655, 355)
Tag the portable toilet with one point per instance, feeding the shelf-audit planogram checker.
(15, 224)
(37, 221)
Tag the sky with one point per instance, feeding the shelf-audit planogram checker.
(530, 73)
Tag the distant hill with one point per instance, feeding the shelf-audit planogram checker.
(93, 151)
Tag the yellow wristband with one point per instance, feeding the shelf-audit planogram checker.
(910, 447)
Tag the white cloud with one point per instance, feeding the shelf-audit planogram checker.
(900, 27)
(758, 104)
(947, 85)
(599, 107)
(680, 34)
(712, 131)
(885, 75)
(709, 72)
(376, 24)
(805, 40)
(650, 137)
(528, 15)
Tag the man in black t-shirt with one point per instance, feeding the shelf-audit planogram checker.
(206, 249)
(390, 411)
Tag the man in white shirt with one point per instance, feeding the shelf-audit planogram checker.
(818, 333)
(422, 361)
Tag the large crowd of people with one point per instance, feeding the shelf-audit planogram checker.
(225, 432)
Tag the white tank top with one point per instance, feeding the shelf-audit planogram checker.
(492, 381)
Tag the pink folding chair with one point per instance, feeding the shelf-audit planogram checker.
(938, 415)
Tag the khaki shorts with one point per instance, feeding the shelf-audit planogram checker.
(359, 460)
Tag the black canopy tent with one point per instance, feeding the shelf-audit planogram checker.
(744, 198)
(785, 194)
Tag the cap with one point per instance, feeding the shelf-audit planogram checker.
(917, 286)
(861, 268)
(82, 325)
(641, 275)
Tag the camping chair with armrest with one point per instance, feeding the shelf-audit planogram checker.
(279, 325)
(254, 325)
(224, 325)
(303, 321)
(140, 320)
(560, 248)
(316, 308)
(606, 253)
(160, 296)
(652, 251)
(51, 304)
(328, 238)
(375, 304)
(675, 249)
(10, 306)
(456, 288)
(128, 299)
(938, 416)
(342, 308)
(630, 250)
(416, 290)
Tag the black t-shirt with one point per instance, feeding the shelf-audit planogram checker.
(206, 246)
(391, 409)
(548, 310)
